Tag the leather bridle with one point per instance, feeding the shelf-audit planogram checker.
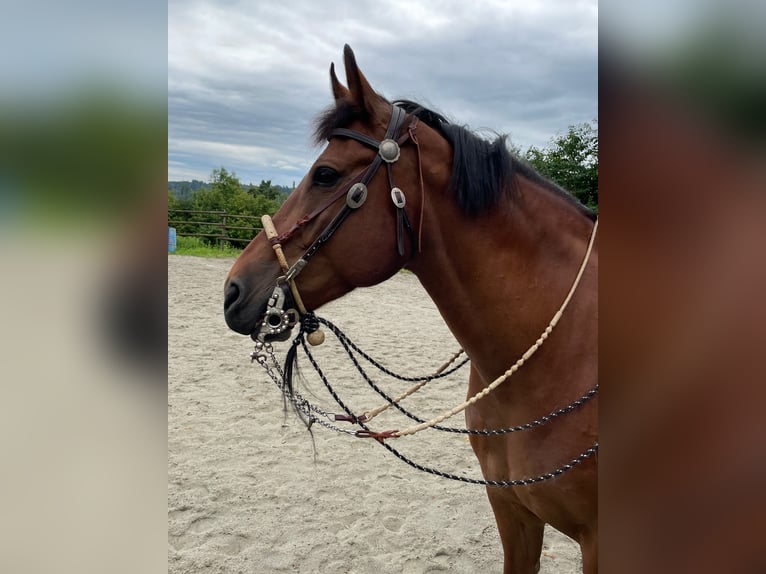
(356, 190)
(356, 194)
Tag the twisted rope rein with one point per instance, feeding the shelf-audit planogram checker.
(367, 416)
(352, 348)
(380, 437)
(263, 355)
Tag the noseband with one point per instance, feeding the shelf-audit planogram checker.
(277, 319)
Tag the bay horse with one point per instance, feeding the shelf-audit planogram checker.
(496, 246)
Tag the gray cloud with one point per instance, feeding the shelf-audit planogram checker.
(246, 79)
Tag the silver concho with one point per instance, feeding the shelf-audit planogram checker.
(277, 319)
(356, 196)
(389, 151)
(397, 195)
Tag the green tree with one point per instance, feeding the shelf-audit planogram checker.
(267, 190)
(173, 202)
(572, 162)
(224, 186)
(226, 194)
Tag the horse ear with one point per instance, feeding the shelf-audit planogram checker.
(359, 89)
(338, 90)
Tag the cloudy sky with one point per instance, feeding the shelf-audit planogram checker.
(245, 79)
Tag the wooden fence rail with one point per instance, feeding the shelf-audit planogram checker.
(215, 219)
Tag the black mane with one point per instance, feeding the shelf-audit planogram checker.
(482, 170)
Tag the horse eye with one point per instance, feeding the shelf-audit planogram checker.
(325, 177)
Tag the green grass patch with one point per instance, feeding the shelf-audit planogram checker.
(195, 246)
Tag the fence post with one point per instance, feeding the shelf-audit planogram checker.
(225, 231)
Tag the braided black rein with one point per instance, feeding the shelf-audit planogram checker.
(311, 324)
(350, 348)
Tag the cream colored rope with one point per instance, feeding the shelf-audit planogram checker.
(505, 376)
(271, 233)
(367, 416)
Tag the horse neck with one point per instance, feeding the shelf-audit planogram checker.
(498, 279)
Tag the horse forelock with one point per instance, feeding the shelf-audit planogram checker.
(340, 115)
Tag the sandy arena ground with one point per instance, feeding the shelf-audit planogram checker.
(248, 489)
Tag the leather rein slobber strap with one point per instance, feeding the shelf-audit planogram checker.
(277, 319)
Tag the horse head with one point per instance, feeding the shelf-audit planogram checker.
(365, 190)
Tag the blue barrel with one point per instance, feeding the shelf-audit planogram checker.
(171, 239)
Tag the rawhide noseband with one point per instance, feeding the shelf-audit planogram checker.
(277, 319)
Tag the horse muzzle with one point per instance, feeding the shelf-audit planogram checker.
(269, 313)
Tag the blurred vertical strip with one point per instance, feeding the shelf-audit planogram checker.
(682, 181)
(83, 136)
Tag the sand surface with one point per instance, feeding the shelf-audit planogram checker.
(248, 489)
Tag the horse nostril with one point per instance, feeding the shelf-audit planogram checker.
(231, 294)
